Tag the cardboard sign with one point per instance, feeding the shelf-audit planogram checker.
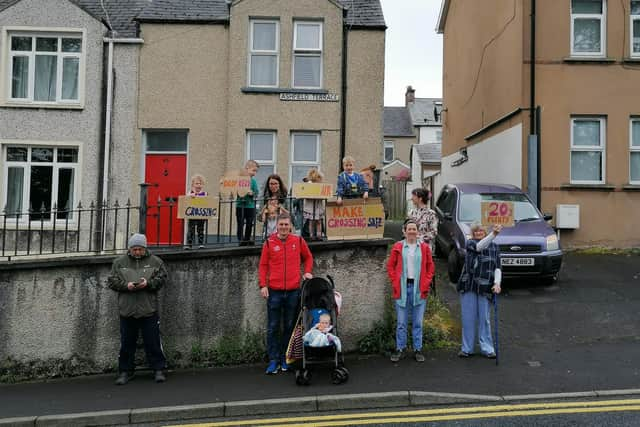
(190, 207)
(312, 190)
(497, 213)
(355, 219)
(235, 182)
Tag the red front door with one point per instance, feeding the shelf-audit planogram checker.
(167, 175)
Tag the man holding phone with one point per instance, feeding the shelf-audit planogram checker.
(137, 276)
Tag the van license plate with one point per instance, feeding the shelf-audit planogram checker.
(517, 261)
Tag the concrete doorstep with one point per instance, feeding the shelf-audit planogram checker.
(283, 406)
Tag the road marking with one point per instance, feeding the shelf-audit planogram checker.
(444, 414)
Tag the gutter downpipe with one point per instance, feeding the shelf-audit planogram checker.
(534, 125)
(343, 112)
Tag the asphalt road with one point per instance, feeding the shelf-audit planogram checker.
(580, 335)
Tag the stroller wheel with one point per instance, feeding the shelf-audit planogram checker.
(303, 377)
(340, 375)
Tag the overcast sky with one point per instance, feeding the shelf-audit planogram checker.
(413, 50)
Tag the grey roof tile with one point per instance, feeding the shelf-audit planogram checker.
(422, 111)
(429, 153)
(397, 122)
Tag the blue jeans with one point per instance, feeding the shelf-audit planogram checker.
(476, 316)
(282, 312)
(416, 313)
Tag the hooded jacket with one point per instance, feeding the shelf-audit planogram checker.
(141, 302)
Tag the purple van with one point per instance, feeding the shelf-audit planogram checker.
(530, 248)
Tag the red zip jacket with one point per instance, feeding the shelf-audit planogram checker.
(394, 269)
(280, 262)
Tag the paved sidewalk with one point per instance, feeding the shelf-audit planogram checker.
(579, 336)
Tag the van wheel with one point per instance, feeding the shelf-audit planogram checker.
(454, 266)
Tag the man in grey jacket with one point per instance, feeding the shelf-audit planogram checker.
(137, 277)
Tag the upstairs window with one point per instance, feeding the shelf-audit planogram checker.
(635, 28)
(587, 150)
(388, 152)
(588, 27)
(307, 55)
(263, 53)
(45, 68)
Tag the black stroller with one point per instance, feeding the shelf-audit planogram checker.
(318, 293)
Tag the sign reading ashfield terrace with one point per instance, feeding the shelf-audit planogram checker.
(316, 97)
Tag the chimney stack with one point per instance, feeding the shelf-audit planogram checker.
(409, 96)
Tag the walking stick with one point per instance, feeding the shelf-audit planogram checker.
(495, 317)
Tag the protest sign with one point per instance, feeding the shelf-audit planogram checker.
(355, 219)
(235, 182)
(312, 190)
(190, 207)
(497, 213)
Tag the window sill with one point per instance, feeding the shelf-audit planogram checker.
(33, 105)
(631, 60)
(593, 187)
(276, 90)
(589, 59)
(631, 187)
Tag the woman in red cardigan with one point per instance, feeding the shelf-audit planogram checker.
(410, 268)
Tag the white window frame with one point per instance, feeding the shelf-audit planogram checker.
(307, 52)
(587, 148)
(274, 144)
(632, 19)
(7, 71)
(603, 31)
(632, 148)
(388, 144)
(253, 52)
(26, 165)
(311, 164)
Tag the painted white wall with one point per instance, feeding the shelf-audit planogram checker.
(427, 134)
(496, 160)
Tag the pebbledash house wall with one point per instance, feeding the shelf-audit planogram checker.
(63, 309)
(44, 126)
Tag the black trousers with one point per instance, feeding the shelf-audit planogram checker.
(130, 328)
(196, 225)
(245, 218)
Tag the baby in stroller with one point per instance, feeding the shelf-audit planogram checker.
(319, 335)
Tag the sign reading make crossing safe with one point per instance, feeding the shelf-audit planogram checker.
(190, 207)
(497, 213)
(355, 219)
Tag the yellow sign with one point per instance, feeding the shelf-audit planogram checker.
(312, 190)
(190, 207)
(235, 182)
(355, 219)
(497, 213)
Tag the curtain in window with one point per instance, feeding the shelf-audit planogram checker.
(306, 71)
(586, 133)
(20, 77)
(308, 36)
(263, 70)
(15, 187)
(586, 35)
(586, 6)
(299, 171)
(634, 166)
(45, 79)
(586, 166)
(70, 68)
(305, 148)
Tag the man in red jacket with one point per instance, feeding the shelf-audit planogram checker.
(279, 276)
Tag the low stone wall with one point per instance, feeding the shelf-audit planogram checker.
(63, 309)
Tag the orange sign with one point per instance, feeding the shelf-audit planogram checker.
(312, 190)
(233, 183)
(497, 213)
(355, 219)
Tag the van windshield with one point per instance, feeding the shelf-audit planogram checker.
(523, 210)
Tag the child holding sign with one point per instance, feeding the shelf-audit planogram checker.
(196, 225)
(246, 206)
(351, 185)
(313, 209)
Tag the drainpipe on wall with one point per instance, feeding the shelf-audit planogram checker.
(343, 112)
(534, 180)
(107, 122)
